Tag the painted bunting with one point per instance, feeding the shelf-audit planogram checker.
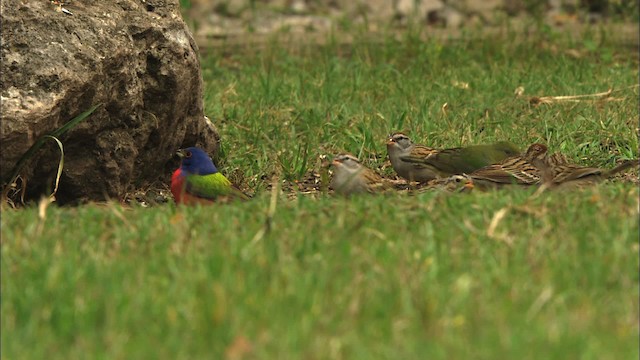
(421, 163)
(197, 180)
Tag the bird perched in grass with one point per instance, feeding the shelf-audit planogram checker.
(559, 174)
(197, 180)
(453, 183)
(421, 163)
(399, 145)
(350, 177)
(514, 170)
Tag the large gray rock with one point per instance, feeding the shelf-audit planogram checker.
(135, 56)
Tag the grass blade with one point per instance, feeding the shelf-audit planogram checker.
(60, 164)
(38, 144)
(15, 172)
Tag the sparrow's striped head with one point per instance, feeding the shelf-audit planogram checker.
(346, 160)
(536, 152)
(195, 161)
(461, 182)
(399, 140)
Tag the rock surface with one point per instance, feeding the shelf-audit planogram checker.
(136, 57)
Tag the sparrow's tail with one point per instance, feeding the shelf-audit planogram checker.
(627, 164)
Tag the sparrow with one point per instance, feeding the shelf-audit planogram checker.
(453, 183)
(562, 174)
(398, 146)
(350, 177)
(514, 170)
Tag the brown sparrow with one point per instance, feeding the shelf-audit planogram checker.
(515, 170)
(350, 177)
(562, 174)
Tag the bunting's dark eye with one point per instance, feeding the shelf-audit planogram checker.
(187, 154)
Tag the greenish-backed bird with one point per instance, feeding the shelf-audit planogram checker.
(421, 163)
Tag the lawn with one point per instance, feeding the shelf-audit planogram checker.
(301, 274)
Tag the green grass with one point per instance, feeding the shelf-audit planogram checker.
(434, 275)
(271, 105)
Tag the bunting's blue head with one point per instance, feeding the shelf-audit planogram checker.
(196, 162)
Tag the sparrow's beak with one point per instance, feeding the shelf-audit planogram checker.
(181, 153)
(336, 162)
(468, 186)
(390, 142)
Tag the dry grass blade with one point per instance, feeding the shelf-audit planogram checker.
(15, 172)
(540, 301)
(601, 96)
(542, 188)
(22, 190)
(44, 203)
(266, 228)
(60, 165)
(493, 225)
